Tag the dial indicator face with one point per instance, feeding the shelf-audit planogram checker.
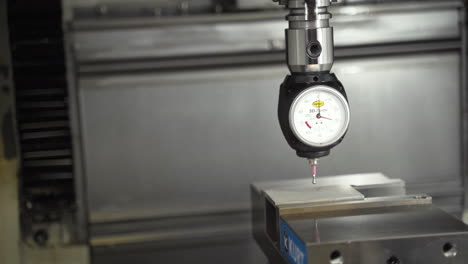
(319, 116)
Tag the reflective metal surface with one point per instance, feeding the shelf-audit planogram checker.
(358, 181)
(381, 229)
(388, 226)
(419, 236)
(363, 206)
(335, 195)
(312, 194)
(299, 45)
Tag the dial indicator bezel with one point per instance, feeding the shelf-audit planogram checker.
(304, 93)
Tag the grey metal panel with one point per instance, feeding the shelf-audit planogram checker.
(464, 106)
(402, 108)
(82, 209)
(359, 25)
(253, 4)
(365, 27)
(219, 250)
(79, 9)
(178, 143)
(171, 144)
(176, 41)
(173, 230)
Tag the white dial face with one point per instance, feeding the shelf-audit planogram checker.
(319, 116)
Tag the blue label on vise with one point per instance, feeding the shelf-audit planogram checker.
(291, 246)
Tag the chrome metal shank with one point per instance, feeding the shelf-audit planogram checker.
(309, 37)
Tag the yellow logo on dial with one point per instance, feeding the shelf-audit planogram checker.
(318, 103)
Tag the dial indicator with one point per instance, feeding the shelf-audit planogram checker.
(319, 116)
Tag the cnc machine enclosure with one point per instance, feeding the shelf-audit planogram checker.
(174, 118)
